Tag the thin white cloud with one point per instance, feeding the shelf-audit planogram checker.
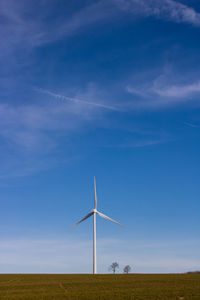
(94, 13)
(141, 143)
(169, 88)
(29, 125)
(32, 133)
(21, 32)
(26, 25)
(145, 143)
(163, 9)
(63, 255)
(25, 125)
(189, 124)
(178, 91)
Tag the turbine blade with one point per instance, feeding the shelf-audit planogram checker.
(86, 217)
(95, 194)
(106, 217)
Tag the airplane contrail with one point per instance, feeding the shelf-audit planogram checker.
(62, 97)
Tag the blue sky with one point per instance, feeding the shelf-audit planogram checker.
(106, 88)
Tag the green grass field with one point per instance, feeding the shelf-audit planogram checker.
(137, 287)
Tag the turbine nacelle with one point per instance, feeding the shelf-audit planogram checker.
(94, 210)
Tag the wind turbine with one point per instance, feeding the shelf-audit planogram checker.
(94, 211)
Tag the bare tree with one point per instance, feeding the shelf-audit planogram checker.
(127, 269)
(113, 267)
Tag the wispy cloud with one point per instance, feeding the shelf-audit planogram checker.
(189, 124)
(32, 132)
(134, 142)
(63, 255)
(29, 125)
(169, 88)
(94, 13)
(170, 94)
(163, 9)
(25, 140)
(37, 126)
(26, 23)
(145, 143)
(177, 91)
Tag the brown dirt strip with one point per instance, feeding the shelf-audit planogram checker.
(62, 287)
(8, 281)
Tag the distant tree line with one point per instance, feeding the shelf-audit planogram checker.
(193, 272)
(114, 266)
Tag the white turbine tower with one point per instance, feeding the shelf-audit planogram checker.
(94, 212)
